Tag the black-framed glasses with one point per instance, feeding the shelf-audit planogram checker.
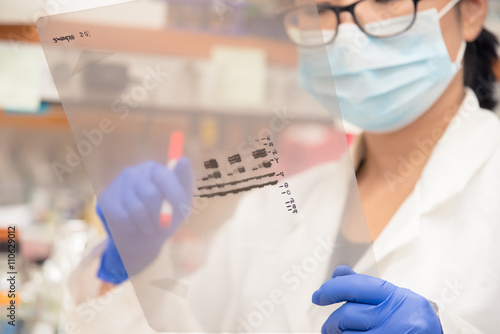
(376, 18)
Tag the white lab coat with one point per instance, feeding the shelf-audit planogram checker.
(442, 243)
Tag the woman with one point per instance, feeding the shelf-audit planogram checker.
(427, 167)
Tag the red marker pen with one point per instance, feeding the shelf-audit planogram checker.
(175, 151)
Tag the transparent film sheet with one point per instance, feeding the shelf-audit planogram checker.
(228, 189)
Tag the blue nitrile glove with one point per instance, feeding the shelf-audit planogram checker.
(374, 306)
(130, 211)
(111, 269)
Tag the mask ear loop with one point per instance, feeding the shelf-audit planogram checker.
(463, 45)
(447, 8)
(461, 53)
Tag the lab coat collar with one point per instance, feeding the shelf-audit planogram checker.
(465, 146)
(403, 228)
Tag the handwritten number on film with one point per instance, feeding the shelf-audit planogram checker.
(290, 203)
(285, 187)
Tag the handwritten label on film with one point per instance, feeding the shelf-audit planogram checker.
(69, 38)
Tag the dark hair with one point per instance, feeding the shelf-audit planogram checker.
(479, 60)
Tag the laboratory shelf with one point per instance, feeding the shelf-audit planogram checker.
(53, 119)
(19, 33)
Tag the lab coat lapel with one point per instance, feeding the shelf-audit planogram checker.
(465, 146)
(403, 229)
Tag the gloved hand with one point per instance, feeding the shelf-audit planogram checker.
(130, 211)
(374, 306)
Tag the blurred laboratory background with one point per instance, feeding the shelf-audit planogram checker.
(54, 207)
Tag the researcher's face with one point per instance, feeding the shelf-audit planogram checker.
(463, 22)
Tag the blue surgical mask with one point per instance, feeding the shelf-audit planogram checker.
(382, 84)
